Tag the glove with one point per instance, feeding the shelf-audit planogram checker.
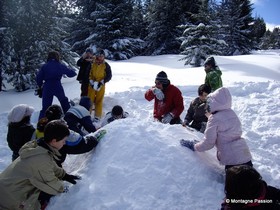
(188, 143)
(71, 178)
(97, 85)
(167, 118)
(100, 84)
(39, 92)
(91, 83)
(158, 93)
(91, 139)
(99, 134)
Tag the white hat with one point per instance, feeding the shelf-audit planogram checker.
(20, 111)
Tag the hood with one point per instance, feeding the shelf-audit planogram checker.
(219, 100)
(37, 147)
(31, 148)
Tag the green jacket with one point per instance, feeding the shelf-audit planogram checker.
(34, 171)
(213, 79)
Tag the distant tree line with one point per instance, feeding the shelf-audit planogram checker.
(29, 29)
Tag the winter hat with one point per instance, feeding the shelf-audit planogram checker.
(219, 100)
(89, 50)
(85, 102)
(100, 52)
(54, 112)
(117, 110)
(162, 78)
(210, 61)
(19, 112)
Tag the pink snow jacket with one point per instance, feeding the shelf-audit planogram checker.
(223, 130)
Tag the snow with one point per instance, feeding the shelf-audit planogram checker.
(139, 164)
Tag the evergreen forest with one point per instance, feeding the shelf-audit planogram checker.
(196, 29)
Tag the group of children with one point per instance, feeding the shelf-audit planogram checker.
(36, 173)
(211, 114)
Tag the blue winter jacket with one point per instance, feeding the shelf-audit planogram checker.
(77, 117)
(51, 73)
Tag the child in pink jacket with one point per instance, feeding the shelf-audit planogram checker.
(223, 130)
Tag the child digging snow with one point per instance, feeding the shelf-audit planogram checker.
(223, 130)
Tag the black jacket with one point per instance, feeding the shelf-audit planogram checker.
(83, 75)
(196, 114)
(18, 134)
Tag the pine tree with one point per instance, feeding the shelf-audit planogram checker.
(108, 25)
(83, 26)
(236, 26)
(113, 30)
(163, 20)
(271, 40)
(32, 25)
(258, 31)
(200, 40)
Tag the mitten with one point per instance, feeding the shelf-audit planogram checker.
(158, 93)
(91, 82)
(91, 138)
(100, 84)
(188, 143)
(167, 118)
(71, 178)
(99, 134)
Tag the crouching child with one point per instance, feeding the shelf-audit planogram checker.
(35, 172)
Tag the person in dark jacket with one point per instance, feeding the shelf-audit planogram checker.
(49, 78)
(213, 76)
(20, 130)
(168, 104)
(85, 65)
(116, 113)
(195, 116)
(75, 143)
(78, 117)
(245, 189)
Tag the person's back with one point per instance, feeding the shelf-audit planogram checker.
(35, 171)
(224, 131)
(49, 80)
(213, 74)
(20, 130)
(78, 116)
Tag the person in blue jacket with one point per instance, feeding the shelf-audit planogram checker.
(49, 79)
(78, 117)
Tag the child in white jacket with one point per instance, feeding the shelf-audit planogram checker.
(223, 130)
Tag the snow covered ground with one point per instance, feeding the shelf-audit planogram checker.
(139, 164)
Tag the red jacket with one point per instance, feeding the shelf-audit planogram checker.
(172, 102)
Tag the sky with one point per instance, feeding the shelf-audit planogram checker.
(139, 164)
(269, 11)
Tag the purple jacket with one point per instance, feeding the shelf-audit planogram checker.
(224, 131)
